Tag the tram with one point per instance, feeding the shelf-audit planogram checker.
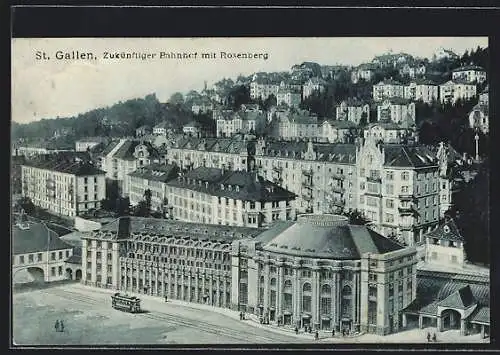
(126, 303)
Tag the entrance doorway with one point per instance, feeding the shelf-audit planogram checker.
(272, 315)
(287, 319)
(306, 320)
(450, 319)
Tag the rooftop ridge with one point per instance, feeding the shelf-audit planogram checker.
(323, 220)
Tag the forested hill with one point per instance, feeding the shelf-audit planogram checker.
(120, 119)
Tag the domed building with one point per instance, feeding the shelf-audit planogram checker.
(323, 272)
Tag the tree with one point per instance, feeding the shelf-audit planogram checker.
(147, 199)
(27, 205)
(177, 99)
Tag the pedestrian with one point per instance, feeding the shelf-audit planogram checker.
(316, 335)
(62, 326)
(165, 298)
(434, 339)
(428, 337)
(56, 326)
(333, 333)
(310, 329)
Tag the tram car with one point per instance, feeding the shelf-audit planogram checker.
(126, 303)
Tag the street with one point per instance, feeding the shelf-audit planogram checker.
(90, 320)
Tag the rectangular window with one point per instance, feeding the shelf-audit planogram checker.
(53, 271)
(60, 270)
(389, 217)
(389, 175)
(389, 203)
(60, 255)
(389, 188)
(21, 259)
(30, 258)
(405, 175)
(39, 257)
(53, 256)
(404, 189)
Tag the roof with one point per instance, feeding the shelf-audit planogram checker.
(37, 238)
(482, 315)
(76, 257)
(461, 299)
(395, 101)
(468, 67)
(448, 230)
(127, 149)
(332, 152)
(64, 165)
(238, 185)
(223, 145)
(388, 82)
(325, 236)
(386, 125)
(156, 172)
(457, 82)
(342, 124)
(404, 155)
(423, 81)
(142, 228)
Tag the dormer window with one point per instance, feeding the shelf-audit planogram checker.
(237, 188)
(222, 186)
(229, 187)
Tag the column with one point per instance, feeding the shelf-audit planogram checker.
(84, 261)
(405, 321)
(157, 271)
(93, 263)
(190, 284)
(144, 280)
(439, 324)
(279, 292)
(315, 297)
(462, 327)
(224, 293)
(211, 299)
(175, 284)
(150, 279)
(218, 289)
(420, 321)
(267, 286)
(125, 274)
(104, 263)
(137, 276)
(297, 296)
(203, 299)
(197, 286)
(482, 331)
(335, 310)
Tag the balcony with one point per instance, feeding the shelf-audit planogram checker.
(338, 189)
(307, 172)
(374, 179)
(277, 169)
(338, 176)
(406, 197)
(410, 210)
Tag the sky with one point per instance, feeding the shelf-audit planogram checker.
(50, 88)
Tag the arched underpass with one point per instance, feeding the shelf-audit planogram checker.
(28, 275)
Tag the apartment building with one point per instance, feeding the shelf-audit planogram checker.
(290, 125)
(153, 177)
(422, 90)
(223, 153)
(319, 174)
(363, 72)
(397, 110)
(289, 97)
(263, 88)
(353, 110)
(230, 123)
(63, 186)
(333, 131)
(387, 89)
(398, 189)
(469, 73)
(313, 85)
(235, 198)
(454, 90)
(388, 132)
(124, 156)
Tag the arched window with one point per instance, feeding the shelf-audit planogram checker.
(306, 297)
(346, 302)
(262, 280)
(287, 296)
(326, 300)
(273, 282)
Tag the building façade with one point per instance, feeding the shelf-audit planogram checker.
(318, 271)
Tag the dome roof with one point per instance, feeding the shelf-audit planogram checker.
(326, 236)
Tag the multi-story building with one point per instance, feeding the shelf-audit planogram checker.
(295, 125)
(320, 174)
(313, 85)
(236, 198)
(38, 254)
(387, 89)
(363, 72)
(202, 105)
(353, 110)
(222, 153)
(347, 278)
(422, 90)
(230, 123)
(412, 71)
(142, 131)
(454, 90)
(444, 246)
(192, 128)
(397, 110)
(470, 74)
(447, 157)
(289, 97)
(479, 115)
(162, 128)
(263, 88)
(333, 131)
(152, 177)
(398, 189)
(63, 186)
(388, 132)
(82, 145)
(124, 156)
